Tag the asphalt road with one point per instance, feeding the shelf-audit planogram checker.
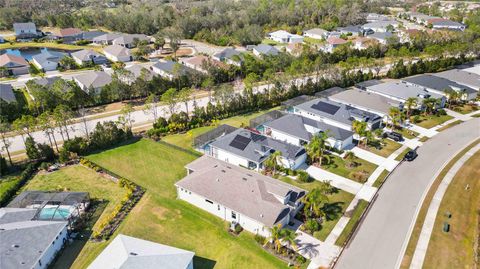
(381, 240)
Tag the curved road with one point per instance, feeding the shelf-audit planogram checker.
(381, 239)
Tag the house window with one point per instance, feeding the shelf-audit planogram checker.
(234, 215)
(218, 207)
(208, 201)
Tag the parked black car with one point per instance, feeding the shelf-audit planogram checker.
(411, 155)
(394, 136)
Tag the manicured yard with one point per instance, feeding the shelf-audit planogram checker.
(271, 42)
(313, 40)
(385, 147)
(432, 120)
(380, 179)
(456, 249)
(359, 173)
(401, 155)
(79, 178)
(162, 218)
(337, 204)
(186, 140)
(352, 223)
(465, 108)
(457, 122)
(409, 134)
(424, 139)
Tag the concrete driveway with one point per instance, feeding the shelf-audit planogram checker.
(381, 240)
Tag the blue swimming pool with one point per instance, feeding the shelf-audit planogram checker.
(54, 213)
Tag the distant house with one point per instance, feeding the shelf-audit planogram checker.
(105, 39)
(6, 93)
(400, 91)
(136, 71)
(381, 37)
(47, 60)
(316, 33)
(94, 80)
(462, 77)
(170, 69)
(27, 242)
(15, 65)
(282, 36)
(332, 43)
(45, 82)
(25, 30)
(117, 53)
(363, 43)
(372, 17)
(353, 30)
(294, 48)
(440, 85)
(264, 50)
(298, 130)
(248, 149)
(366, 101)
(254, 201)
(380, 26)
(444, 24)
(89, 56)
(90, 35)
(70, 35)
(2, 40)
(417, 17)
(128, 252)
(199, 62)
(229, 55)
(128, 40)
(336, 114)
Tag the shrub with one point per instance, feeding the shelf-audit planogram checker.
(441, 112)
(260, 239)
(44, 166)
(304, 177)
(311, 225)
(300, 259)
(24, 177)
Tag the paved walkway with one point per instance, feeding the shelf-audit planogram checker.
(341, 224)
(368, 156)
(335, 180)
(425, 234)
(457, 116)
(422, 131)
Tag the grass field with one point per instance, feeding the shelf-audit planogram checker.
(339, 166)
(79, 178)
(357, 213)
(381, 178)
(407, 258)
(186, 140)
(456, 249)
(387, 147)
(402, 155)
(451, 124)
(337, 204)
(160, 217)
(7, 183)
(432, 120)
(407, 133)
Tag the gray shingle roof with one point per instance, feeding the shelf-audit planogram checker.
(45, 81)
(108, 37)
(316, 31)
(48, 56)
(128, 252)
(380, 35)
(136, 70)
(244, 191)
(90, 35)
(169, 66)
(437, 83)
(400, 90)
(266, 49)
(258, 147)
(337, 111)
(24, 26)
(365, 100)
(227, 53)
(31, 238)
(294, 125)
(6, 93)
(117, 50)
(461, 76)
(95, 79)
(85, 55)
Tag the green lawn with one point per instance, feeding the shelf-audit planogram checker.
(360, 173)
(432, 120)
(407, 133)
(7, 183)
(451, 124)
(380, 179)
(386, 147)
(337, 204)
(313, 40)
(271, 42)
(160, 217)
(401, 155)
(186, 140)
(424, 139)
(79, 178)
(357, 213)
(476, 115)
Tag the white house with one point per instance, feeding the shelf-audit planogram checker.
(27, 242)
(117, 53)
(234, 194)
(381, 26)
(282, 36)
(170, 69)
(333, 42)
(298, 130)
(316, 33)
(264, 50)
(248, 149)
(25, 30)
(128, 252)
(444, 24)
(47, 60)
(85, 56)
(229, 56)
(94, 80)
(440, 85)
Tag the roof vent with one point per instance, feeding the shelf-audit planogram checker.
(261, 215)
(218, 180)
(133, 254)
(223, 171)
(244, 178)
(15, 246)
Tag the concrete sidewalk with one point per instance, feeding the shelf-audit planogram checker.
(335, 180)
(429, 222)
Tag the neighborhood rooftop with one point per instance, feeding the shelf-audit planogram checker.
(254, 147)
(437, 83)
(462, 77)
(128, 252)
(401, 90)
(365, 100)
(6, 93)
(247, 192)
(94, 79)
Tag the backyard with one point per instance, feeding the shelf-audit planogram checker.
(338, 202)
(79, 178)
(357, 169)
(160, 217)
(456, 249)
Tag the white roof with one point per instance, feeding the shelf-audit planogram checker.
(128, 252)
(283, 34)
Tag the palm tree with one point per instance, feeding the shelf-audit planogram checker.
(394, 115)
(359, 127)
(410, 104)
(275, 237)
(273, 161)
(314, 202)
(288, 236)
(317, 146)
(430, 104)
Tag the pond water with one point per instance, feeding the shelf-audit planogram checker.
(28, 53)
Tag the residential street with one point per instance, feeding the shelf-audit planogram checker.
(382, 237)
